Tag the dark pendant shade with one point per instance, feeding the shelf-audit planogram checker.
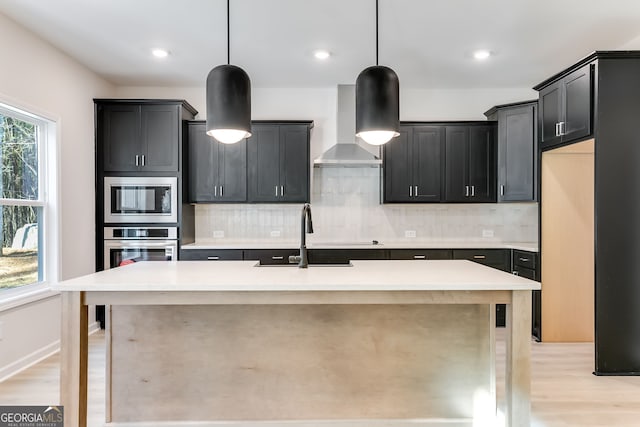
(377, 102)
(229, 103)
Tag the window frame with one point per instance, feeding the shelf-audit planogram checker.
(48, 245)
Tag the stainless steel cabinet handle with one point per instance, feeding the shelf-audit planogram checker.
(277, 258)
(419, 257)
(143, 160)
(276, 191)
(415, 191)
(466, 191)
(502, 190)
(281, 190)
(557, 129)
(213, 258)
(562, 128)
(524, 259)
(479, 257)
(215, 191)
(473, 190)
(137, 160)
(221, 193)
(410, 191)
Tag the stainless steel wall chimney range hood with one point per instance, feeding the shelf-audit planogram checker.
(347, 152)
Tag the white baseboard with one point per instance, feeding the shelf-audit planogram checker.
(426, 422)
(37, 356)
(29, 360)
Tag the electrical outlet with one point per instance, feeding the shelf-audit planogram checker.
(487, 233)
(275, 233)
(409, 233)
(218, 234)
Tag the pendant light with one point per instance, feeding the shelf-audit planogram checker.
(377, 102)
(228, 101)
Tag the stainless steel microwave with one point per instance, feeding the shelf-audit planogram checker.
(137, 199)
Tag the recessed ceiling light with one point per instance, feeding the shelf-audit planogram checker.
(160, 53)
(322, 54)
(481, 54)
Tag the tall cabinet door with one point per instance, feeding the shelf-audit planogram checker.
(160, 136)
(263, 163)
(397, 167)
(232, 161)
(550, 114)
(516, 153)
(481, 161)
(203, 164)
(120, 134)
(427, 160)
(577, 104)
(294, 163)
(456, 150)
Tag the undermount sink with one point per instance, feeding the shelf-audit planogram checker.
(296, 265)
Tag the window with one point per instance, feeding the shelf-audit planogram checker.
(23, 198)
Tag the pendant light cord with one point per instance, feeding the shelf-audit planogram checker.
(229, 37)
(376, 32)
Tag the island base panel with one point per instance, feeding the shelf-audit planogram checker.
(297, 362)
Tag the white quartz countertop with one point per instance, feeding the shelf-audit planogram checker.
(523, 246)
(161, 276)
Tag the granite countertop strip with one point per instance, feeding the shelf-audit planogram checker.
(523, 246)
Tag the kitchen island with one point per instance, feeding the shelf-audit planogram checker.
(378, 343)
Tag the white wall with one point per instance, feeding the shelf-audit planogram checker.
(37, 77)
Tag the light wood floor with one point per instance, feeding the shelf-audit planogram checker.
(564, 391)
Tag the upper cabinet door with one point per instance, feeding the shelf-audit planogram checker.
(457, 188)
(294, 163)
(263, 163)
(160, 138)
(119, 137)
(203, 164)
(517, 153)
(550, 102)
(232, 176)
(577, 108)
(427, 160)
(397, 167)
(481, 161)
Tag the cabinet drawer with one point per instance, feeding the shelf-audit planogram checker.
(420, 254)
(210, 254)
(343, 256)
(270, 256)
(497, 258)
(525, 259)
(527, 273)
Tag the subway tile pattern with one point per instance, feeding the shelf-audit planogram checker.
(346, 205)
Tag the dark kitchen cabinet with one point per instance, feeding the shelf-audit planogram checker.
(270, 256)
(470, 163)
(216, 172)
(517, 151)
(425, 254)
(412, 165)
(496, 258)
(344, 256)
(278, 162)
(211, 254)
(565, 108)
(139, 136)
(525, 264)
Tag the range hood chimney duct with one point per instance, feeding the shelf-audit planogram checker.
(347, 152)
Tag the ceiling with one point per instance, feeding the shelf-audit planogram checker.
(427, 42)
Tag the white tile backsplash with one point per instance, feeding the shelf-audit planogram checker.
(346, 208)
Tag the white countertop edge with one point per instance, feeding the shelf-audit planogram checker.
(244, 276)
(523, 246)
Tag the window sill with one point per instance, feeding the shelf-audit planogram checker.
(10, 299)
